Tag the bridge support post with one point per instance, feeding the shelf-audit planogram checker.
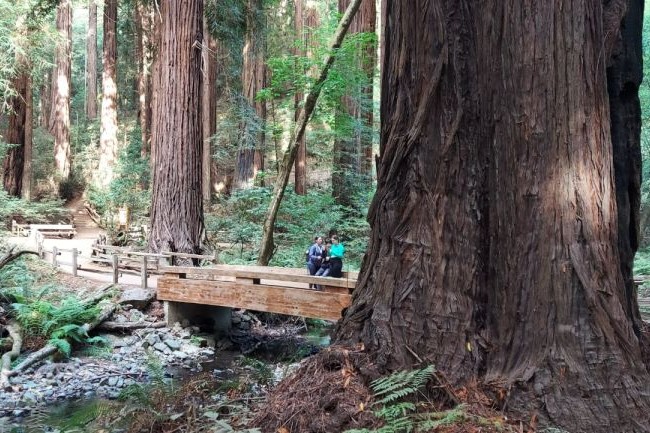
(207, 316)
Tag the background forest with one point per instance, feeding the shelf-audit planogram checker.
(258, 64)
(249, 129)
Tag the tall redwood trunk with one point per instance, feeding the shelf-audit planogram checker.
(91, 61)
(156, 84)
(300, 166)
(108, 139)
(494, 248)
(209, 100)
(14, 160)
(176, 208)
(26, 190)
(367, 18)
(250, 157)
(45, 101)
(353, 149)
(144, 55)
(61, 80)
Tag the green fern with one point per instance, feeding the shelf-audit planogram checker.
(400, 384)
(401, 416)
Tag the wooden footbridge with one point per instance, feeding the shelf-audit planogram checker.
(259, 288)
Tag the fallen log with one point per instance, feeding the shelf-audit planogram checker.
(14, 332)
(129, 326)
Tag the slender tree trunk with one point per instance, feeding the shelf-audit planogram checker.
(108, 143)
(250, 157)
(176, 208)
(300, 169)
(267, 246)
(91, 61)
(45, 101)
(61, 80)
(14, 160)
(502, 263)
(26, 192)
(144, 54)
(209, 95)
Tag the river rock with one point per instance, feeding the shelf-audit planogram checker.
(137, 297)
(172, 343)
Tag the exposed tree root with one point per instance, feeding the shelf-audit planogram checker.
(12, 255)
(14, 331)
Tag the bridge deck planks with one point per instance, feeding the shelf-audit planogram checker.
(258, 297)
(259, 288)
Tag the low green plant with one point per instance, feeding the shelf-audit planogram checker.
(60, 323)
(401, 415)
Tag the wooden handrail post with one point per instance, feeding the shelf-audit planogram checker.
(55, 252)
(39, 248)
(115, 268)
(143, 273)
(74, 262)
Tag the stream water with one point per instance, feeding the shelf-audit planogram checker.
(267, 363)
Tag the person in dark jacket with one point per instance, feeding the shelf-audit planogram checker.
(314, 255)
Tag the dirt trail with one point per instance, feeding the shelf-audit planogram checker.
(87, 233)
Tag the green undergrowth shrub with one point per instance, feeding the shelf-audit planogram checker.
(30, 211)
(42, 312)
(236, 226)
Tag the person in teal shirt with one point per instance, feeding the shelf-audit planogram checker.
(336, 258)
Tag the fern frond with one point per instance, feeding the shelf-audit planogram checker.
(61, 345)
(401, 383)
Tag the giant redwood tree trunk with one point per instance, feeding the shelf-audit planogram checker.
(61, 80)
(494, 248)
(176, 208)
(91, 61)
(108, 138)
(250, 156)
(15, 136)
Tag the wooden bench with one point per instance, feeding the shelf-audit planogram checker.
(67, 230)
(259, 288)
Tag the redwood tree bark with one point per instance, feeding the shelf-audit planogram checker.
(494, 248)
(91, 61)
(250, 157)
(60, 116)
(209, 99)
(176, 208)
(624, 74)
(108, 139)
(15, 136)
